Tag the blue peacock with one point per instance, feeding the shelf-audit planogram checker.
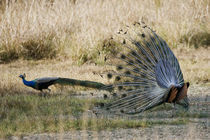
(147, 73)
(45, 82)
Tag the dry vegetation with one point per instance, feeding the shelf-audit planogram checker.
(37, 29)
(51, 37)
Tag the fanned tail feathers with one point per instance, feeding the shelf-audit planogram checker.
(145, 72)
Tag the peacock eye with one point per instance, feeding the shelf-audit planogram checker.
(120, 88)
(117, 78)
(130, 62)
(133, 53)
(124, 95)
(128, 72)
(109, 75)
(119, 67)
(123, 56)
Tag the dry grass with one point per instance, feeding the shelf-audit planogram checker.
(78, 28)
(195, 64)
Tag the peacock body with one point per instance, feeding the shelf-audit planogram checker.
(45, 82)
(147, 72)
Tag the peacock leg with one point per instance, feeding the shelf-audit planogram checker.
(42, 93)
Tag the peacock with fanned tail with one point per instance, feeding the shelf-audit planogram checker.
(147, 74)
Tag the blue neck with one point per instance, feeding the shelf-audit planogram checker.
(28, 83)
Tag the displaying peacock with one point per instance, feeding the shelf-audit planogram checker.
(45, 82)
(147, 72)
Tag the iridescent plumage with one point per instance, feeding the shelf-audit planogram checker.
(45, 82)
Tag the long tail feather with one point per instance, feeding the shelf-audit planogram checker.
(75, 82)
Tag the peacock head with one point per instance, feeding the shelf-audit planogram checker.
(23, 76)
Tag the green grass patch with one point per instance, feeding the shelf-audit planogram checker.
(196, 39)
(193, 115)
(31, 113)
(52, 124)
(18, 106)
(26, 114)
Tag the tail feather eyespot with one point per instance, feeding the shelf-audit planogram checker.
(128, 72)
(144, 26)
(117, 78)
(123, 95)
(120, 87)
(130, 62)
(109, 75)
(114, 94)
(136, 69)
(133, 53)
(122, 56)
(148, 60)
(188, 84)
(119, 67)
(101, 104)
(124, 42)
(105, 96)
(142, 75)
(139, 61)
(129, 89)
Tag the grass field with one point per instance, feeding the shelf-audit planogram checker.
(21, 115)
(79, 29)
(70, 38)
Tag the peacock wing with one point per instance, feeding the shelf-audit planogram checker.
(145, 71)
(46, 79)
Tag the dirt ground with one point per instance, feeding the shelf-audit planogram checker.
(190, 132)
(197, 128)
